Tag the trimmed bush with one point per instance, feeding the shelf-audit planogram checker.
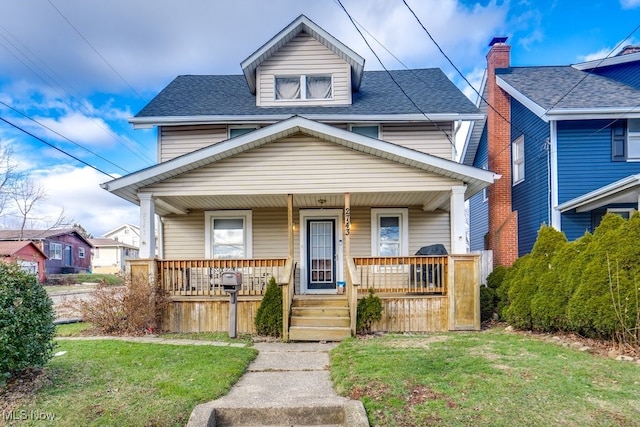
(524, 285)
(488, 303)
(268, 320)
(26, 322)
(369, 311)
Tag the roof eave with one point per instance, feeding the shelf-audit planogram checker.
(601, 193)
(605, 62)
(149, 122)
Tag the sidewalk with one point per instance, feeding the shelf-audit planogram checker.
(287, 384)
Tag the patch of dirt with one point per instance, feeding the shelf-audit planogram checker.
(21, 388)
(375, 391)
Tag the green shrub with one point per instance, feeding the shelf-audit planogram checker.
(495, 278)
(26, 322)
(523, 286)
(268, 320)
(369, 311)
(604, 303)
(488, 303)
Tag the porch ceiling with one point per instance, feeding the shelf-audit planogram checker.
(182, 204)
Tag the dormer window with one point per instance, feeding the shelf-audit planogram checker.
(303, 87)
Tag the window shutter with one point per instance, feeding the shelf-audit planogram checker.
(619, 142)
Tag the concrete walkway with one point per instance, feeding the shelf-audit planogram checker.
(287, 384)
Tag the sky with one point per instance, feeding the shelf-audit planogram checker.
(72, 72)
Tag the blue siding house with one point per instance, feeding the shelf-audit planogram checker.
(575, 146)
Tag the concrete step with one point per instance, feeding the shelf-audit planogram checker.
(320, 311)
(316, 416)
(341, 321)
(318, 333)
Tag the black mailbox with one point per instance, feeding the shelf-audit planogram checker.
(231, 281)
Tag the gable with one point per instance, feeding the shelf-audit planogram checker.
(301, 164)
(303, 56)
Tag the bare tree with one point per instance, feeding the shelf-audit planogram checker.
(8, 174)
(26, 195)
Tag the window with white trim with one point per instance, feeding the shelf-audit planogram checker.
(55, 250)
(623, 212)
(633, 139)
(372, 131)
(81, 252)
(517, 159)
(485, 191)
(303, 87)
(228, 234)
(389, 231)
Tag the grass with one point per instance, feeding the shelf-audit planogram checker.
(107, 383)
(72, 329)
(484, 379)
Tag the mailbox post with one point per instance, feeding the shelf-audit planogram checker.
(231, 283)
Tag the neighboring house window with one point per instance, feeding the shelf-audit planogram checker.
(240, 130)
(96, 253)
(623, 212)
(55, 251)
(228, 234)
(372, 131)
(81, 252)
(633, 139)
(303, 87)
(517, 159)
(389, 232)
(126, 231)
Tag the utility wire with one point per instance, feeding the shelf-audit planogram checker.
(393, 78)
(95, 50)
(62, 136)
(54, 147)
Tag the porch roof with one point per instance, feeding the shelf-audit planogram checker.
(128, 186)
(626, 190)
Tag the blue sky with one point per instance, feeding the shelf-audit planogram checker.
(74, 71)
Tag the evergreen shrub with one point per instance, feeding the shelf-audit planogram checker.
(369, 311)
(26, 322)
(268, 320)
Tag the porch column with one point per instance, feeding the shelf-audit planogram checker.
(290, 224)
(457, 219)
(147, 226)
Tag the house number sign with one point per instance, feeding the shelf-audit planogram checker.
(347, 220)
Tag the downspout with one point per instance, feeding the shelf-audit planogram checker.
(554, 214)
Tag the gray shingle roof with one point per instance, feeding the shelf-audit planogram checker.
(547, 85)
(213, 95)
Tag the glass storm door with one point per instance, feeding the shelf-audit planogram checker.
(321, 254)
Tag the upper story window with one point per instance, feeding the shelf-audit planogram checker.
(485, 191)
(372, 131)
(517, 160)
(81, 252)
(625, 141)
(303, 87)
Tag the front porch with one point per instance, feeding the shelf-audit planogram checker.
(419, 294)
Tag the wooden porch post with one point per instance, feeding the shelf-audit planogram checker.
(352, 290)
(287, 289)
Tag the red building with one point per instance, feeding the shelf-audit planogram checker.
(26, 254)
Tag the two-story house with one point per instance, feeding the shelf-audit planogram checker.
(566, 140)
(310, 169)
(126, 233)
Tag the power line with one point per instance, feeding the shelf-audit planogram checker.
(54, 147)
(64, 137)
(94, 49)
(392, 78)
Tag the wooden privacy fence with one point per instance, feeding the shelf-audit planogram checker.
(409, 275)
(204, 277)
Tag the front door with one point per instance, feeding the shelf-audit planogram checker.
(321, 254)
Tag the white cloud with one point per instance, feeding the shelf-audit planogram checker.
(629, 4)
(78, 192)
(602, 53)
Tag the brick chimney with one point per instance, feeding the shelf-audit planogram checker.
(503, 221)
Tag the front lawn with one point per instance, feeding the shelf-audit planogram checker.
(114, 383)
(491, 378)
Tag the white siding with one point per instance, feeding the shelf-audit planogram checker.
(299, 165)
(184, 236)
(178, 140)
(303, 55)
(421, 137)
(428, 228)
(270, 233)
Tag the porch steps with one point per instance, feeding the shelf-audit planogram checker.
(319, 318)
